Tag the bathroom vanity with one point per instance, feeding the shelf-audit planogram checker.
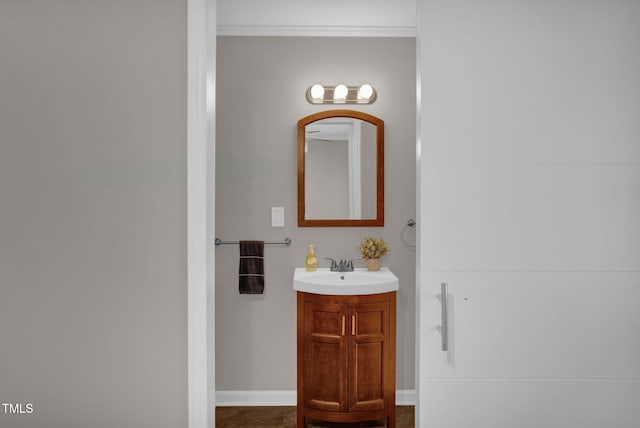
(346, 346)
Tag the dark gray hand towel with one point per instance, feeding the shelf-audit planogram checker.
(251, 274)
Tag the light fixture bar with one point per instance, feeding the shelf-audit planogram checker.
(322, 94)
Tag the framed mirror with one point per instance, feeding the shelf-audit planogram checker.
(340, 169)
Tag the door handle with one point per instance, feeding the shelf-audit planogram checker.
(343, 324)
(444, 328)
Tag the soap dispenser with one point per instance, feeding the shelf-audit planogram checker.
(311, 262)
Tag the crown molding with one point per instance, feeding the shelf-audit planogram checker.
(315, 31)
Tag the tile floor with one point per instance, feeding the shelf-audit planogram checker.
(285, 417)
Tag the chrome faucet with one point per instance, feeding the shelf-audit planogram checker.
(341, 266)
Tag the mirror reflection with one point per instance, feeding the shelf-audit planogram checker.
(340, 159)
(340, 175)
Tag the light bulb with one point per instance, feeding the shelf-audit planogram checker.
(317, 92)
(340, 92)
(365, 92)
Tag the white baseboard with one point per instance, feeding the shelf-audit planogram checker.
(404, 397)
(256, 398)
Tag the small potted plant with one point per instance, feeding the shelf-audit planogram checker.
(372, 249)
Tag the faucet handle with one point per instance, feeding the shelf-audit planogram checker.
(334, 265)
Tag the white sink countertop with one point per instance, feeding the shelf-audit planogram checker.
(360, 281)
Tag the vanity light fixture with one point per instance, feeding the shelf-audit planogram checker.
(341, 94)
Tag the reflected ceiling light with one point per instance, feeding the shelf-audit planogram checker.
(341, 94)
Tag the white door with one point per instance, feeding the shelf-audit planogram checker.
(529, 188)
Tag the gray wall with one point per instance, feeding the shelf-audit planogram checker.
(260, 97)
(93, 218)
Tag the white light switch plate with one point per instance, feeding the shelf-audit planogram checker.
(277, 216)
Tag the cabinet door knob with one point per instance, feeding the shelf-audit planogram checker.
(343, 324)
(353, 325)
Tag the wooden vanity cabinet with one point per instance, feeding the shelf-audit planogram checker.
(346, 357)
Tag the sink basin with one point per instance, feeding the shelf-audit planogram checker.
(360, 281)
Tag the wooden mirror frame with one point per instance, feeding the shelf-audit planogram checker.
(379, 124)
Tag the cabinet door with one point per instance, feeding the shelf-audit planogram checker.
(368, 355)
(325, 354)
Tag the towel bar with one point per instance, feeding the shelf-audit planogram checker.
(286, 241)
